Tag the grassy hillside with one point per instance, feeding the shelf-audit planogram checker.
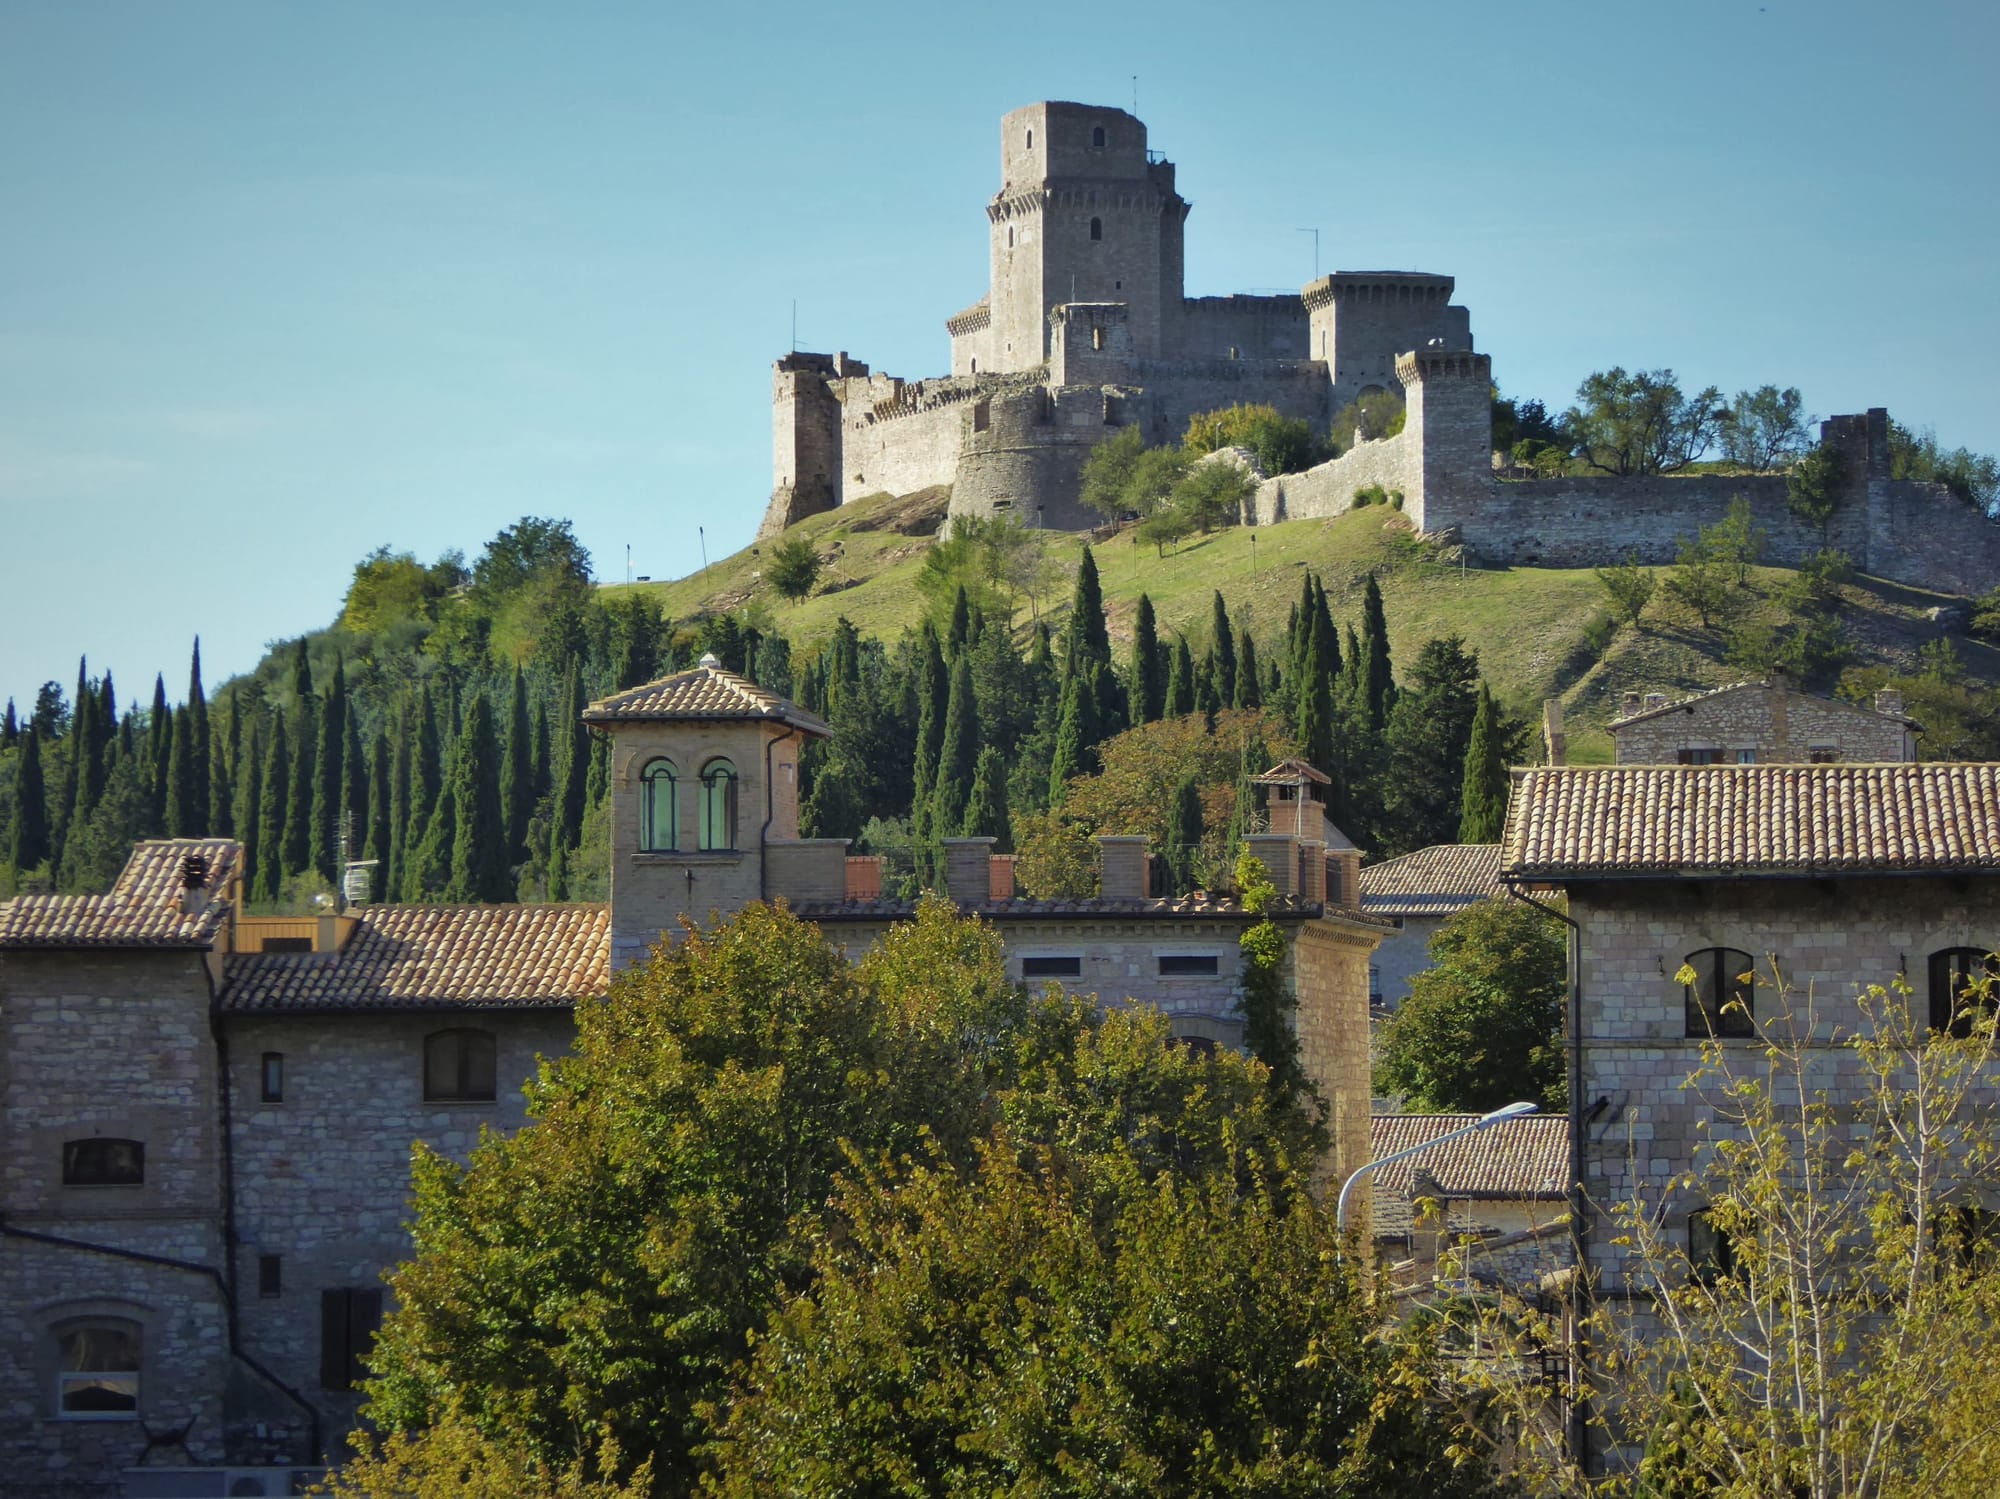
(1539, 632)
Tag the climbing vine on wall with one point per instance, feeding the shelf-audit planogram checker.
(1267, 1004)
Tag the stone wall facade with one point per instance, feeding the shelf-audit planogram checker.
(1329, 971)
(1328, 489)
(1403, 955)
(1765, 723)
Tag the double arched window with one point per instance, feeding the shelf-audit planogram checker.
(97, 1369)
(1720, 1001)
(1965, 981)
(659, 808)
(718, 806)
(458, 1066)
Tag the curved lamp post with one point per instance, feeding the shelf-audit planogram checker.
(1484, 1121)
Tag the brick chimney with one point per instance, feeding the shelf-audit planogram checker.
(1889, 700)
(1122, 863)
(967, 878)
(1555, 742)
(1628, 704)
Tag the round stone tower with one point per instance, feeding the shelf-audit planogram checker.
(1085, 213)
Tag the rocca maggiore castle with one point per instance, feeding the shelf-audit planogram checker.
(1087, 328)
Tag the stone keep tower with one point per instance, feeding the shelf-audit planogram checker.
(1084, 214)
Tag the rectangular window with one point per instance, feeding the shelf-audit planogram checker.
(1746, 757)
(1374, 985)
(103, 1163)
(1823, 754)
(273, 1077)
(1697, 757)
(1051, 968)
(287, 944)
(270, 1275)
(1189, 965)
(1709, 1256)
(347, 1323)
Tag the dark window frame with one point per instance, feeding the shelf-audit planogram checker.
(92, 1162)
(1096, 229)
(271, 1078)
(270, 1275)
(349, 1317)
(1187, 965)
(1097, 137)
(1952, 971)
(472, 1069)
(80, 1379)
(1710, 1254)
(1051, 966)
(1719, 979)
(720, 783)
(650, 842)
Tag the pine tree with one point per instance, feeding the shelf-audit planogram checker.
(1224, 647)
(1147, 677)
(1184, 834)
(1379, 678)
(327, 780)
(376, 848)
(517, 776)
(29, 846)
(273, 812)
(1180, 680)
(480, 868)
(933, 703)
(426, 782)
(986, 814)
(1249, 691)
(958, 751)
(1483, 800)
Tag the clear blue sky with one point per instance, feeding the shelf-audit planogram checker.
(282, 283)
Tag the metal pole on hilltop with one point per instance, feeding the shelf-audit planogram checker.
(704, 547)
(1315, 234)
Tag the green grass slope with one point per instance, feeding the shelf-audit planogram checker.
(1539, 632)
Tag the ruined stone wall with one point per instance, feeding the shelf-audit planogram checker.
(323, 1176)
(1827, 937)
(1254, 327)
(1327, 489)
(1926, 536)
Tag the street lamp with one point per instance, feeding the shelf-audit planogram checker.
(1484, 1121)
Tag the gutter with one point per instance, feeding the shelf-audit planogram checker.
(770, 812)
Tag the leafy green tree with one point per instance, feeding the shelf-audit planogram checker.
(28, 846)
(1058, 857)
(1642, 423)
(1483, 800)
(986, 813)
(1147, 676)
(1765, 428)
(1483, 1025)
(792, 567)
(1430, 730)
(1370, 417)
(517, 774)
(1108, 471)
(958, 752)
(1212, 494)
(479, 863)
(1813, 486)
(1737, 540)
(1700, 581)
(1629, 587)
(1973, 477)
(1155, 476)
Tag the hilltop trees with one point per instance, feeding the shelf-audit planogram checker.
(1641, 423)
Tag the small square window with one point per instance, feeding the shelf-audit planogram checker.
(1189, 965)
(270, 1275)
(1746, 757)
(1051, 968)
(273, 1078)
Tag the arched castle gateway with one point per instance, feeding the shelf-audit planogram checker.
(1086, 329)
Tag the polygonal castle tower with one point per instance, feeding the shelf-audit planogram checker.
(1086, 328)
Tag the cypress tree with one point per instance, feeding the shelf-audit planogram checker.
(427, 870)
(1483, 802)
(1184, 834)
(1252, 760)
(573, 766)
(223, 749)
(273, 811)
(961, 624)
(159, 753)
(376, 847)
(1088, 637)
(1380, 680)
(1298, 633)
(83, 780)
(107, 722)
(197, 707)
(1225, 653)
(1315, 714)
(1249, 692)
(1073, 738)
(958, 752)
(1180, 680)
(986, 814)
(355, 806)
(182, 821)
(480, 866)
(328, 775)
(1148, 676)
(243, 815)
(426, 781)
(1207, 699)
(10, 728)
(295, 848)
(544, 771)
(390, 875)
(933, 704)
(29, 845)
(517, 776)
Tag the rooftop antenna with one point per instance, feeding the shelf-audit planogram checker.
(1315, 234)
(628, 562)
(1135, 95)
(795, 325)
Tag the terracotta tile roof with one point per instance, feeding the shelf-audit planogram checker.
(1571, 822)
(702, 695)
(436, 957)
(1183, 908)
(1290, 772)
(1682, 704)
(1520, 1158)
(1434, 881)
(143, 908)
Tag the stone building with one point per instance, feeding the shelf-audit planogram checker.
(1419, 891)
(1086, 328)
(1759, 723)
(207, 1115)
(1842, 876)
(1490, 1207)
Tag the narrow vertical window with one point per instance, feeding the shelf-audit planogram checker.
(1962, 987)
(1097, 137)
(1097, 229)
(273, 1079)
(718, 806)
(1031, 140)
(270, 1275)
(1720, 1002)
(659, 809)
(348, 1320)
(1097, 338)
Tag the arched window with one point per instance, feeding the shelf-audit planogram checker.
(718, 806)
(1710, 1256)
(1010, 236)
(1720, 1002)
(659, 809)
(1961, 987)
(1097, 229)
(103, 1163)
(1031, 140)
(97, 1370)
(1097, 136)
(458, 1066)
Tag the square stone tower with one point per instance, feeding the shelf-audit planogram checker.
(704, 784)
(1084, 214)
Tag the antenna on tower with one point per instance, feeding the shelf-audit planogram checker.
(795, 325)
(1135, 94)
(1315, 234)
